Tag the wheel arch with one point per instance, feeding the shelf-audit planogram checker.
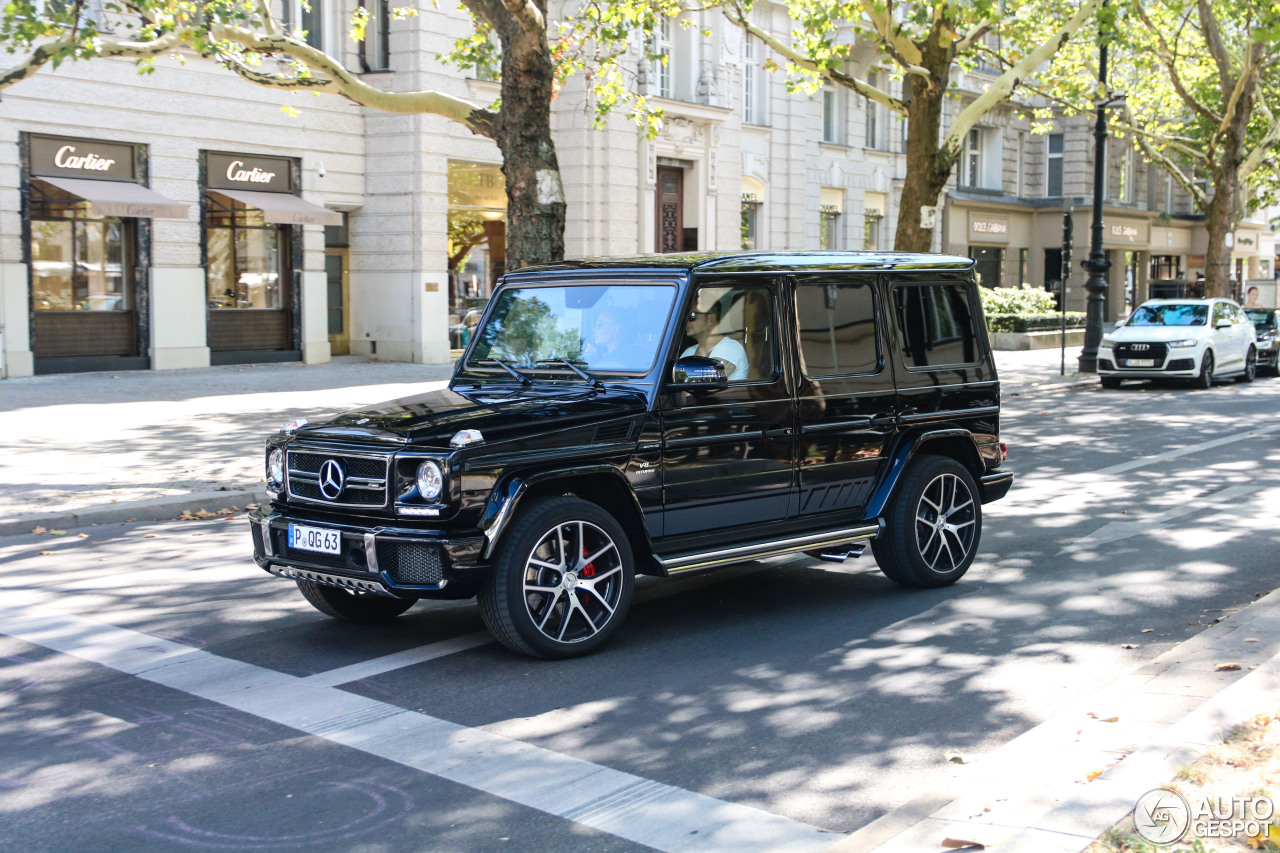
(603, 485)
(956, 442)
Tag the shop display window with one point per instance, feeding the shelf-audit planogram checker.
(79, 262)
(244, 256)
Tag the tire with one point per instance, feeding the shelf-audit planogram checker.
(1111, 383)
(916, 549)
(562, 580)
(363, 607)
(1205, 379)
(1250, 366)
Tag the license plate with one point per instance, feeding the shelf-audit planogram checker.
(1139, 362)
(315, 539)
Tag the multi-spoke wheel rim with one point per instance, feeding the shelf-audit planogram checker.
(945, 523)
(572, 582)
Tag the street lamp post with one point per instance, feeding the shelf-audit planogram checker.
(1097, 263)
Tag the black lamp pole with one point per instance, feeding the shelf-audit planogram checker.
(1097, 263)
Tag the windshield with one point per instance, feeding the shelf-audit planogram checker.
(600, 327)
(1169, 315)
(1262, 319)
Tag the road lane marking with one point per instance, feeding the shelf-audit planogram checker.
(1195, 448)
(1114, 531)
(399, 660)
(657, 815)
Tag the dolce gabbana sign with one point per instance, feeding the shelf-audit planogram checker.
(59, 157)
(249, 172)
(988, 228)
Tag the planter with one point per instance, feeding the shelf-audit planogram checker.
(1005, 341)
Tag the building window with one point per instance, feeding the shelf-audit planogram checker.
(830, 206)
(78, 262)
(375, 50)
(876, 116)
(1022, 268)
(873, 205)
(750, 222)
(755, 88)
(1166, 267)
(1126, 173)
(990, 265)
(246, 256)
(661, 51)
(310, 18)
(1021, 156)
(1053, 166)
(832, 115)
(971, 160)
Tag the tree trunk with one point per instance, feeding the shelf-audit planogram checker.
(1217, 259)
(928, 165)
(535, 194)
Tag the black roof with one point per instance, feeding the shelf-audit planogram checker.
(755, 262)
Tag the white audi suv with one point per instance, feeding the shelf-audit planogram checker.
(1197, 339)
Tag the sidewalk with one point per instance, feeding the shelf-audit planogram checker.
(99, 447)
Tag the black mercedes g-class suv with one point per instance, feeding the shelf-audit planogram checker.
(660, 415)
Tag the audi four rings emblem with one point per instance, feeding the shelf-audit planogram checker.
(1140, 347)
(332, 479)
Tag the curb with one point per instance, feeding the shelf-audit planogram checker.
(166, 508)
(1031, 794)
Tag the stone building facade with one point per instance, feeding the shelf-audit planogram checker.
(226, 230)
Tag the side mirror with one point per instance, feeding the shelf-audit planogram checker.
(1222, 324)
(698, 373)
(1118, 324)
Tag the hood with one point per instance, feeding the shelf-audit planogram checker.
(431, 419)
(1157, 334)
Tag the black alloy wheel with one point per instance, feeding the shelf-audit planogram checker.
(1205, 379)
(562, 580)
(932, 530)
(352, 606)
(1250, 366)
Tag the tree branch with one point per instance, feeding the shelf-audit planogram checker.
(1169, 58)
(1217, 48)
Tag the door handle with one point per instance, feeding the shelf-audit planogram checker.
(884, 419)
(780, 432)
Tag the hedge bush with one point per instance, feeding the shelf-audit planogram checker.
(1016, 300)
(1039, 322)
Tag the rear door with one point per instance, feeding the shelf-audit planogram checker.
(845, 390)
(728, 456)
(942, 367)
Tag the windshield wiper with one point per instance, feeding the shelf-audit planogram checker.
(524, 380)
(595, 383)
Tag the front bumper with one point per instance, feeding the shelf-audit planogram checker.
(1179, 362)
(399, 562)
(1268, 355)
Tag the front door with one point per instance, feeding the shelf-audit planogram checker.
(728, 456)
(335, 268)
(845, 395)
(670, 210)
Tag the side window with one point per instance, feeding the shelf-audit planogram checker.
(936, 323)
(1219, 312)
(734, 323)
(837, 328)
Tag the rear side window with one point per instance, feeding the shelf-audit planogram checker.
(837, 328)
(936, 322)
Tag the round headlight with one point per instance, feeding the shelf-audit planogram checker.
(430, 480)
(275, 466)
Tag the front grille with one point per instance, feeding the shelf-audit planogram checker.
(411, 563)
(351, 558)
(365, 483)
(1154, 351)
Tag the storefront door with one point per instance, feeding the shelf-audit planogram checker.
(670, 209)
(248, 275)
(335, 268)
(989, 265)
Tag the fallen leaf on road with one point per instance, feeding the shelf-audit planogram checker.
(250, 506)
(42, 553)
(1110, 720)
(82, 535)
(955, 756)
(57, 533)
(149, 536)
(1147, 630)
(1251, 639)
(1226, 667)
(962, 844)
(1093, 774)
(1129, 646)
(38, 530)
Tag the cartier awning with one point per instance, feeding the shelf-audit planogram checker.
(285, 208)
(121, 198)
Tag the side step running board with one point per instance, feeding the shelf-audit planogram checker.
(832, 542)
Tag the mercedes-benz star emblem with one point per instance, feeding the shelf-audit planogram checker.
(332, 479)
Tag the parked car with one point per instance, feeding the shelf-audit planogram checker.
(657, 415)
(1196, 339)
(1266, 325)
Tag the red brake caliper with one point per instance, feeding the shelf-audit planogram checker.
(589, 570)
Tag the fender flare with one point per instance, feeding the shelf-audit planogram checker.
(510, 490)
(907, 450)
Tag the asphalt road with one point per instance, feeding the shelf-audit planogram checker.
(197, 703)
